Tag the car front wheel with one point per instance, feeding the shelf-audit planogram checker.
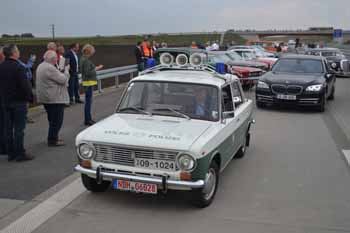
(322, 106)
(203, 197)
(92, 185)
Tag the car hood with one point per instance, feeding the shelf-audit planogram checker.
(292, 79)
(248, 64)
(146, 131)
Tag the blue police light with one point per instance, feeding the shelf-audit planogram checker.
(151, 62)
(220, 68)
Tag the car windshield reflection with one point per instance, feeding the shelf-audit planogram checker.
(190, 101)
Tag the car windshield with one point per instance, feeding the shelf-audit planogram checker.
(234, 56)
(191, 101)
(329, 54)
(247, 54)
(298, 66)
(220, 58)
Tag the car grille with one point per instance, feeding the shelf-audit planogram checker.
(126, 156)
(255, 74)
(286, 89)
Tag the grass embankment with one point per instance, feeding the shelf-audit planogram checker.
(172, 40)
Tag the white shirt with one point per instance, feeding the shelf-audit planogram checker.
(76, 60)
(215, 46)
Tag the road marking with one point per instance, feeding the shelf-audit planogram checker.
(47, 209)
(347, 156)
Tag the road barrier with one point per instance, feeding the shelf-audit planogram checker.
(115, 73)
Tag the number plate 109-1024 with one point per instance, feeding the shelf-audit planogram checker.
(155, 164)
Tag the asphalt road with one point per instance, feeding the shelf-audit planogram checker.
(294, 178)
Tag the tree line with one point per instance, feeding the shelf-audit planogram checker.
(23, 35)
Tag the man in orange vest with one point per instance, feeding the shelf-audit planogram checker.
(194, 45)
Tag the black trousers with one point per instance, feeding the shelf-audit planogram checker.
(55, 114)
(3, 138)
(73, 88)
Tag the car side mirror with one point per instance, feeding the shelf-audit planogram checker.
(329, 75)
(230, 114)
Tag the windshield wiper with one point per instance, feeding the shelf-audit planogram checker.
(174, 111)
(135, 109)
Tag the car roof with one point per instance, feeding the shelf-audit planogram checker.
(324, 50)
(180, 49)
(184, 76)
(244, 50)
(299, 56)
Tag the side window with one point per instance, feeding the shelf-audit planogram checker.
(227, 102)
(237, 95)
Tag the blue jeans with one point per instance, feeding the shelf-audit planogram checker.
(55, 114)
(73, 88)
(88, 102)
(15, 120)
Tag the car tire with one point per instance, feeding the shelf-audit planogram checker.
(331, 97)
(242, 150)
(203, 197)
(322, 106)
(260, 104)
(92, 185)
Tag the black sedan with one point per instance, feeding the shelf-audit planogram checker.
(297, 80)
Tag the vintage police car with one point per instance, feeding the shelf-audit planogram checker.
(177, 127)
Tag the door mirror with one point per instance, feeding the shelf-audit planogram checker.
(329, 75)
(230, 114)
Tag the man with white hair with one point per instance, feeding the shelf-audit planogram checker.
(53, 94)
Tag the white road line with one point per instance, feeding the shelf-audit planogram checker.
(347, 155)
(48, 208)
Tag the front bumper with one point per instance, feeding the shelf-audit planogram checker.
(163, 181)
(304, 99)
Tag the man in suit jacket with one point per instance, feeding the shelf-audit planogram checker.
(139, 57)
(73, 88)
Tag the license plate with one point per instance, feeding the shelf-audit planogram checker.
(155, 164)
(286, 97)
(137, 187)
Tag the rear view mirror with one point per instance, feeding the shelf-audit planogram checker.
(329, 75)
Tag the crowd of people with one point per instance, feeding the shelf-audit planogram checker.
(56, 87)
(145, 50)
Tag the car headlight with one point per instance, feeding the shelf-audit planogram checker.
(86, 151)
(314, 88)
(263, 85)
(186, 162)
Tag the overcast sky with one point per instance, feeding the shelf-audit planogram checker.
(115, 17)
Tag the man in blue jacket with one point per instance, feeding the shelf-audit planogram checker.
(73, 89)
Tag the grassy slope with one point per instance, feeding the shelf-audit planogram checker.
(176, 40)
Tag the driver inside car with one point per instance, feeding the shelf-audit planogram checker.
(201, 102)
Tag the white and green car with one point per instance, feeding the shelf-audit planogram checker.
(174, 129)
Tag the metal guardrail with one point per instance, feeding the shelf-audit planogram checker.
(114, 73)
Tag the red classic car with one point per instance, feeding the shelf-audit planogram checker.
(246, 72)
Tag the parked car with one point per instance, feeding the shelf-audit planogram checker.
(297, 80)
(336, 59)
(176, 128)
(242, 69)
(250, 55)
(234, 59)
(259, 51)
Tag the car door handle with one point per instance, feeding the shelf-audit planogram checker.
(238, 119)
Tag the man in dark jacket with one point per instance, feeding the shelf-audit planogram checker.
(73, 88)
(2, 116)
(15, 93)
(139, 57)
